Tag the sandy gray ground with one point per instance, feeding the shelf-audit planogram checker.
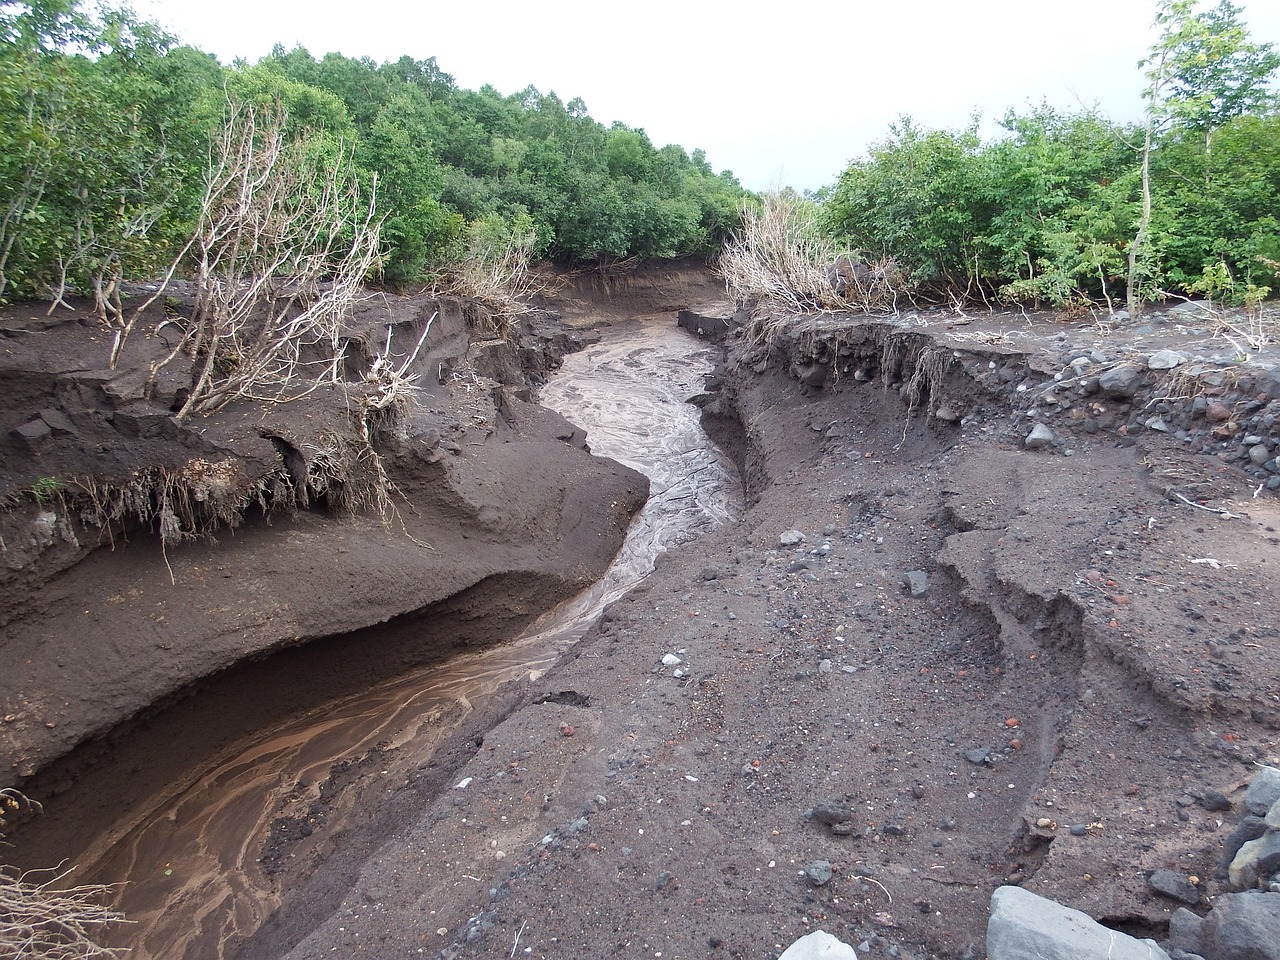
(1053, 711)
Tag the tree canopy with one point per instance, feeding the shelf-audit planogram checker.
(106, 125)
(1066, 208)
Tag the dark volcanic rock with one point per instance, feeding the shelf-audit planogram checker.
(1174, 885)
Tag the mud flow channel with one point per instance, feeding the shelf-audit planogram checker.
(192, 857)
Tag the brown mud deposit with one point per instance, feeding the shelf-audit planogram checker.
(1087, 654)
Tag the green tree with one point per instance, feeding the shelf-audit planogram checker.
(628, 154)
(100, 154)
(426, 75)
(1218, 209)
(917, 198)
(1201, 72)
(417, 228)
(1217, 73)
(1057, 198)
(43, 25)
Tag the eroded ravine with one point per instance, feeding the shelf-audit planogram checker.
(193, 856)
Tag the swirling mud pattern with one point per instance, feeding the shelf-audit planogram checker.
(196, 887)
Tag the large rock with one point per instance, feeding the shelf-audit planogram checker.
(1175, 885)
(1256, 860)
(1249, 828)
(819, 945)
(712, 322)
(1024, 926)
(1272, 821)
(1039, 437)
(1120, 382)
(1186, 931)
(1263, 791)
(1165, 360)
(1243, 926)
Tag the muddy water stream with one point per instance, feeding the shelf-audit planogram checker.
(195, 886)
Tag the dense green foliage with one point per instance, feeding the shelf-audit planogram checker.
(106, 125)
(1051, 211)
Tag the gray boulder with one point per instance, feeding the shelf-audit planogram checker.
(713, 322)
(1174, 885)
(819, 945)
(1039, 437)
(916, 582)
(1024, 926)
(1186, 931)
(1263, 791)
(1249, 828)
(1120, 382)
(1243, 926)
(1257, 859)
(1165, 360)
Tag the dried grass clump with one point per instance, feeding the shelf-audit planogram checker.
(782, 265)
(186, 502)
(349, 476)
(498, 274)
(40, 920)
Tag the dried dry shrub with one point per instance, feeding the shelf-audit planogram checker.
(498, 273)
(783, 264)
(285, 242)
(43, 920)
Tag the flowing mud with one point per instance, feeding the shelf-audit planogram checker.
(201, 858)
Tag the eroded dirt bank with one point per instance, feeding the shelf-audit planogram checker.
(494, 511)
(1085, 660)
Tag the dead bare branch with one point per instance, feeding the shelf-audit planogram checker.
(41, 918)
(285, 241)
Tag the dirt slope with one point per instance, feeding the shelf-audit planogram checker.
(282, 547)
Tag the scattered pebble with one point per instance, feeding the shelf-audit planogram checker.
(819, 871)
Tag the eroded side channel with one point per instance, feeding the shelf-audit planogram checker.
(193, 853)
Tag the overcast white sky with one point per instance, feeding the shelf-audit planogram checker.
(781, 93)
